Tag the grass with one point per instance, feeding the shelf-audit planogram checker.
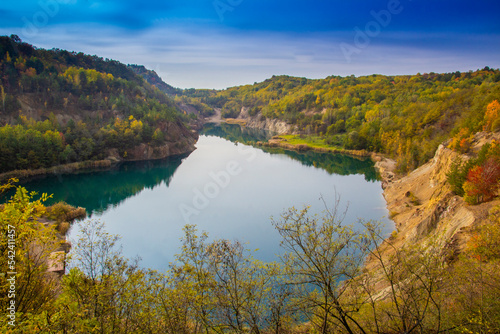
(317, 143)
(312, 141)
(241, 122)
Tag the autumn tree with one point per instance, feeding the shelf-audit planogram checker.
(482, 182)
(491, 116)
(225, 289)
(27, 246)
(321, 257)
(405, 286)
(474, 298)
(103, 291)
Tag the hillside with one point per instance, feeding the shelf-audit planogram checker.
(60, 107)
(152, 78)
(405, 117)
(423, 203)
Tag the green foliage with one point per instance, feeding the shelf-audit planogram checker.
(217, 287)
(406, 117)
(26, 246)
(458, 174)
(89, 88)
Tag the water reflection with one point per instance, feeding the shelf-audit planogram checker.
(145, 202)
(236, 133)
(340, 164)
(97, 191)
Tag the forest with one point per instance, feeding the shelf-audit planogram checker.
(77, 107)
(59, 107)
(405, 117)
(319, 285)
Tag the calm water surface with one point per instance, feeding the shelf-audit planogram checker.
(229, 189)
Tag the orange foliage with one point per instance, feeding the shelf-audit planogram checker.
(461, 142)
(31, 72)
(482, 182)
(491, 114)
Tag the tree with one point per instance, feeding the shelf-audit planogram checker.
(103, 292)
(491, 115)
(218, 287)
(482, 182)
(27, 250)
(405, 286)
(192, 269)
(322, 256)
(475, 289)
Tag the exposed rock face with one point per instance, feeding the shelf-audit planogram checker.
(273, 125)
(422, 204)
(179, 140)
(260, 122)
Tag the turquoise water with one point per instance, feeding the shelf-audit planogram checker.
(229, 189)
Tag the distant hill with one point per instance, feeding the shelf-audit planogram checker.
(188, 100)
(59, 107)
(405, 116)
(153, 79)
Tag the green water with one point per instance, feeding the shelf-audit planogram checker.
(226, 188)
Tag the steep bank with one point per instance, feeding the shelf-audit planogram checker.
(258, 121)
(422, 204)
(178, 140)
(61, 107)
(272, 125)
(61, 169)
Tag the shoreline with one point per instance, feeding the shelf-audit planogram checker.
(74, 167)
(24, 174)
(282, 143)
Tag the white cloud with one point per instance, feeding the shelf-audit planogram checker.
(200, 57)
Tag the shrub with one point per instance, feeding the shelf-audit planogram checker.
(63, 228)
(62, 211)
(482, 182)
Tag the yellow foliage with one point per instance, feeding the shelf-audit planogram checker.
(491, 115)
(461, 142)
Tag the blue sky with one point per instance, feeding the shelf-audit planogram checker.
(223, 43)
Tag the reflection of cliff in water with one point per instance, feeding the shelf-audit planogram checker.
(339, 164)
(235, 133)
(99, 190)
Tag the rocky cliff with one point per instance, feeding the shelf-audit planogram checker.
(179, 140)
(422, 203)
(258, 121)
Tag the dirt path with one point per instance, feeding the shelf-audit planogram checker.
(217, 118)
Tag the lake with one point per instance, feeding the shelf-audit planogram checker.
(226, 187)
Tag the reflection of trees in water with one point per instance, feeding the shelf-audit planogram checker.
(333, 163)
(340, 164)
(236, 133)
(98, 190)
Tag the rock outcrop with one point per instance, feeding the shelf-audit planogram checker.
(179, 140)
(423, 205)
(272, 125)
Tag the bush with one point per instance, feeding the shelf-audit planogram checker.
(63, 228)
(62, 211)
(482, 182)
